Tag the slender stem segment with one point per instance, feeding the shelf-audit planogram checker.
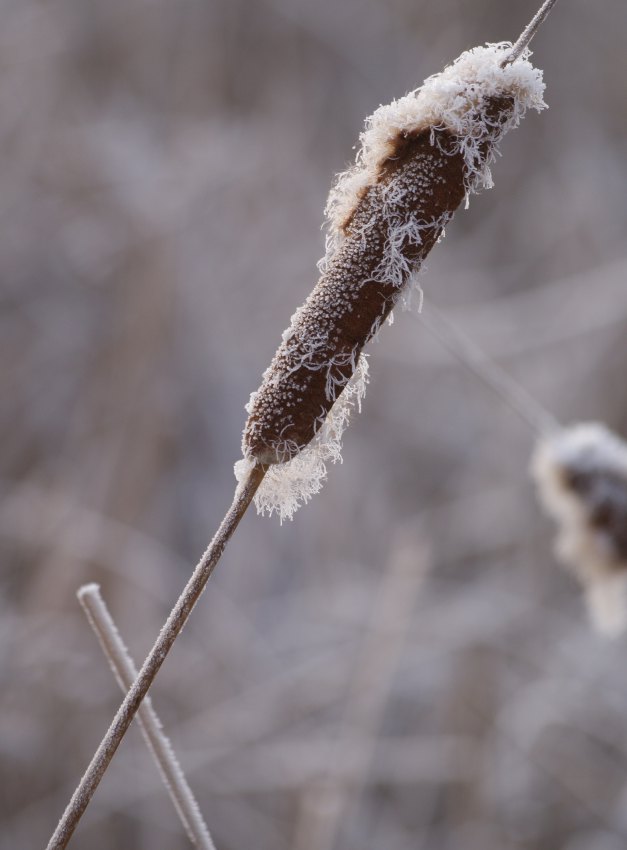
(529, 31)
(159, 745)
(538, 418)
(170, 631)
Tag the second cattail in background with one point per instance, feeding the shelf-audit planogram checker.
(581, 474)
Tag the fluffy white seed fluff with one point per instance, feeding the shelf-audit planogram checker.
(581, 474)
(287, 486)
(452, 100)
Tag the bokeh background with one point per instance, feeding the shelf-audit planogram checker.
(403, 666)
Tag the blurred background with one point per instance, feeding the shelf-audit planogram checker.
(403, 666)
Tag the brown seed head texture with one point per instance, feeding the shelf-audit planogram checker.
(604, 492)
(424, 179)
(419, 157)
(582, 475)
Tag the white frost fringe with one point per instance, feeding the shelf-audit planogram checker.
(287, 486)
(591, 450)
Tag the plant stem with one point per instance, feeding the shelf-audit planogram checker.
(170, 631)
(159, 745)
(529, 31)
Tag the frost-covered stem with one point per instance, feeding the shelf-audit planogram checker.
(530, 30)
(170, 631)
(158, 743)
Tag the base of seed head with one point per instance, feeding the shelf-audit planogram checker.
(581, 474)
(420, 157)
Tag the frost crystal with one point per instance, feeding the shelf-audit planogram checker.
(581, 474)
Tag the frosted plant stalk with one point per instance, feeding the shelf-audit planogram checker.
(159, 745)
(420, 157)
(530, 30)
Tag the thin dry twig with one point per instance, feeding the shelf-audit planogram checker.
(540, 420)
(172, 628)
(530, 30)
(159, 745)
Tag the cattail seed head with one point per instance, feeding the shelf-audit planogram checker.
(420, 157)
(581, 474)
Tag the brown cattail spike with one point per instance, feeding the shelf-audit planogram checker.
(319, 356)
(420, 156)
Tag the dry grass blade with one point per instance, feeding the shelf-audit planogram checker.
(159, 745)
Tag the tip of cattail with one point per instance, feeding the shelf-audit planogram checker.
(450, 100)
(581, 475)
(87, 590)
